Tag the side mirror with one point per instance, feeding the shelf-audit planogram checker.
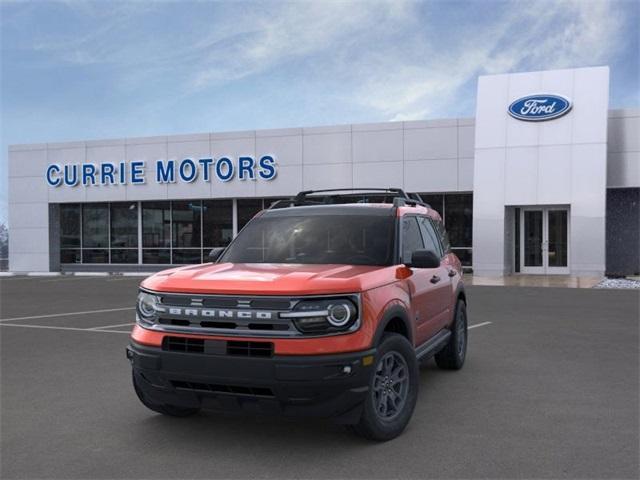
(215, 253)
(424, 259)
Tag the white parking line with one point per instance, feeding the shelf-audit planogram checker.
(478, 325)
(88, 312)
(101, 329)
(48, 327)
(112, 326)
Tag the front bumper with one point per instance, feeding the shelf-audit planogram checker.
(290, 385)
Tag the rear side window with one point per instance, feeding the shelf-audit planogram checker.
(411, 238)
(431, 240)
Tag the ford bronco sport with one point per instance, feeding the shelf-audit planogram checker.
(322, 305)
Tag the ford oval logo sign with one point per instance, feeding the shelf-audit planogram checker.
(536, 108)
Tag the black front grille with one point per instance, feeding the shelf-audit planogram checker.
(228, 389)
(250, 349)
(271, 303)
(182, 344)
(222, 325)
(217, 347)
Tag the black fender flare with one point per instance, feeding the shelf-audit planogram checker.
(394, 311)
(460, 293)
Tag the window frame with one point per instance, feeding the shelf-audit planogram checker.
(428, 222)
(401, 235)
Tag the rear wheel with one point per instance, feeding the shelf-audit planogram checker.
(165, 409)
(453, 355)
(393, 390)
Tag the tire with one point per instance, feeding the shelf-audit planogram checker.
(452, 356)
(169, 410)
(384, 415)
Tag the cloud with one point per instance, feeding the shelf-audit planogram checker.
(393, 58)
(531, 36)
(295, 30)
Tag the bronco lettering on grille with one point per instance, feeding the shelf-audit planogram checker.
(215, 313)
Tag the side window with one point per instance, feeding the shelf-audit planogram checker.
(444, 236)
(411, 238)
(431, 241)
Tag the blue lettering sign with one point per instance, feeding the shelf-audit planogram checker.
(245, 168)
(206, 168)
(188, 174)
(166, 171)
(106, 173)
(165, 174)
(51, 180)
(267, 168)
(71, 175)
(137, 173)
(224, 169)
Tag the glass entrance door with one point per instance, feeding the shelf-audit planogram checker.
(533, 241)
(544, 240)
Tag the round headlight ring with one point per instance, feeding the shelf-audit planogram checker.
(340, 314)
(146, 304)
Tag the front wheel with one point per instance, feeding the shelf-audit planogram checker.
(452, 356)
(393, 390)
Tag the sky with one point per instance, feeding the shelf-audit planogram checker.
(74, 70)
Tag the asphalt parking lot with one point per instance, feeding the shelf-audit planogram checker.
(550, 390)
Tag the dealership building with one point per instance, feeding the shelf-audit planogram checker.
(544, 180)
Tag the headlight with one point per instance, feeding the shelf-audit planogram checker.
(324, 315)
(146, 306)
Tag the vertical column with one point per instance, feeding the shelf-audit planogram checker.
(54, 237)
(139, 233)
(234, 215)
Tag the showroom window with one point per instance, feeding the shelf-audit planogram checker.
(217, 224)
(247, 208)
(70, 236)
(176, 232)
(183, 232)
(95, 233)
(186, 228)
(124, 232)
(156, 232)
(456, 210)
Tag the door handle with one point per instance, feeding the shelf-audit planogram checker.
(435, 279)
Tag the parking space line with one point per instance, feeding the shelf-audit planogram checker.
(49, 327)
(479, 325)
(103, 329)
(88, 312)
(113, 326)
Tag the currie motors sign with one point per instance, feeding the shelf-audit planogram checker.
(188, 170)
(537, 108)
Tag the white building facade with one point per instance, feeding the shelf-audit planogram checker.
(545, 179)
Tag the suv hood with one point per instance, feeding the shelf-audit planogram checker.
(270, 279)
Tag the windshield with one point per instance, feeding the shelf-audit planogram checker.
(316, 239)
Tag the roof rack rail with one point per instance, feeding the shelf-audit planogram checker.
(397, 195)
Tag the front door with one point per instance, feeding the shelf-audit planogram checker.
(544, 240)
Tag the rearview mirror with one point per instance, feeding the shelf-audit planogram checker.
(215, 253)
(424, 259)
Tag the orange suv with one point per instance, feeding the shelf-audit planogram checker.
(323, 305)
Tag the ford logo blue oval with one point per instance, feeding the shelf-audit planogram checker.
(536, 108)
